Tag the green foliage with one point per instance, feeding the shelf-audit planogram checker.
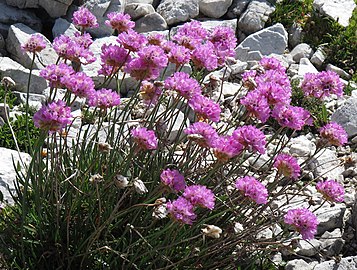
(19, 127)
(10, 97)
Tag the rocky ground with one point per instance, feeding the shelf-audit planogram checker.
(336, 244)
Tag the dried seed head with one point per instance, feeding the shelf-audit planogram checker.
(139, 186)
(121, 181)
(8, 82)
(96, 178)
(160, 210)
(212, 231)
(104, 147)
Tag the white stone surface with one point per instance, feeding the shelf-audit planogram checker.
(326, 164)
(302, 50)
(63, 27)
(346, 116)
(175, 11)
(214, 8)
(138, 10)
(339, 10)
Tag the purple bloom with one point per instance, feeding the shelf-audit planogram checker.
(113, 55)
(179, 55)
(331, 190)
(150, 92)
(200, 195)
(251, 138)
(269, 63)
(156, 39)
(275, 93)
(35, 43)
(190, 35)
(54, 73)
(183, 84)
(334, 134)
(132, 40)
(144, 138)
(83, 40)
(119, 21)
(322, 84)
(53, 116)
(225, 148)
(153, 57)
(224, 42)
(303, 220)
(84, 18)
(104, 98)
(203, 56)
(205, 108)
(79, 84)
(173, 179)
(138, 69)
(182, 210)
(257, 105)
(291, 116)
(202, 133)
(274, 76)
(287, 166)
(253, 189)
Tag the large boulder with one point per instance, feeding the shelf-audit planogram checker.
(339, 10)
(151, 22)
(237, 8)
(63, 27)
(176, 11)
(346, 116)
(273, 39)
(214, 8)
(138, 10)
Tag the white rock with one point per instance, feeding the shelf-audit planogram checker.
(329, 217)
(139, 2)
(237, 8)
(19, 35)
(214, 8)
(295, 34)
(255, 16)
(151, 22)
(326, 164)
(319, 57)
(305, 66)
(346, 263)
(55, 8)
(260, 162)
(138, 10)
(63, 27)
(308, 248)
(332, 242)
(339, 10)
(298, 264)
(273, 39)
(175, 11)
(346, 116)
(12, 69)
(302, 50)
(230, 89)
(35, 100)
(343, 74)
(7, 170)
(301, 146)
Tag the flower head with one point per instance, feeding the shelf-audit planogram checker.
(84, 18)
(144, 138)
(251, 138)
(132, 40)
(202, 133)
(54, 73)
(190, 35)
(79, 84)
(53, 116)
(331, 190)
(203, 56)
(253, 189)
(257, 105)
(183, 84)
(173, 179)
(199, 195)
(334, 134)
(287, 166)
(104, 98)
(303, 220)
(291, 116)
(181, 210)
(205, 108)
(179, 55)
(150, 92)
(269, 63)
(113, 55)
(35, 43)
(226, 147)
(119, 21)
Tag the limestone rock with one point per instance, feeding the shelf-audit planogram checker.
(346, 116)
(343, 74)
(255, 16)
(305, 66)
(295, 34)
(175, 11)
(237, 8)
(9, 157)
(301, 147)
(12, 69)
(308, 248)
(273, 39)
(330, 217)
(63, 27)
(319, 57)
(332, 242)
(138, 10)
(326, 164)
(339, 10)
(151, 22)
(214, 8)
(346, 263)
(298, 264)
(302, 50)
(18, 35)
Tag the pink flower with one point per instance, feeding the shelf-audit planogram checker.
(79, 84)
(35, 43)
(334, 134)
(179, 55)
(153, 57)
(224, 42)
(104, 98)
(54, 73)
(287, 166)
(119, 21)
(252, 188)
(144, 138)
(203, 56)
(269, 63)
(181, 210)
(113, 55)
(303, 220)
(83, 40)
(190, 35)
(225, 148)
(257, 105)
(53, 116)
(84, 18)
(132, 40)
(331, 190)
(138, 69)
(202, 133)
(183, 84)
(150, 92)
(173, 179)
(275, 93)
(199, 195)
(291, 116)
(205, 108)
(251, 138)
(156, 39)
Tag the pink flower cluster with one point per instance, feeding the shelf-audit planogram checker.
(35, 43)
(202, 133)
(182, 209)
(253, 189)
(287, 166)
(104, 98)
(54, 74)
(53, 116)
(173, 179)
(303, 220)
(120, 22)
(331, 190)
(145, 139)
(334, 134)
(84, 18)
(321, 85)
(250, 138)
